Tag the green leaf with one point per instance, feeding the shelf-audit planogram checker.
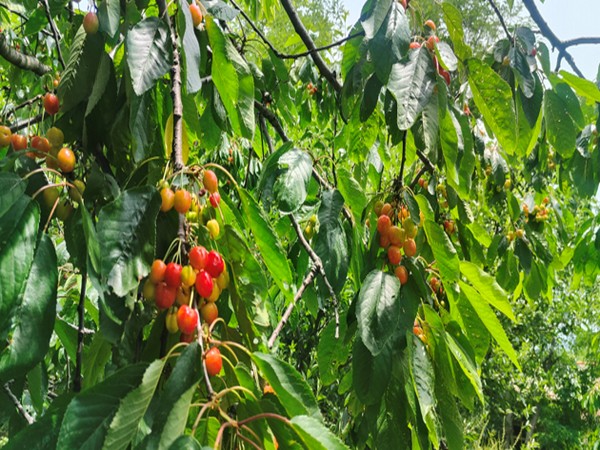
(34, 317)
(493, 98)
(378, 310)
(109, 12)
(95, 357)
(233, 79)
(12, 188)
(88, 416)
(133, 407)
(562, 132)
(330, 242)
(78, 77)
(267, 243)
(315, 434)
(105, 73)
(19, 228)
(453, 20)
(411, 84)
(125, 258)
(491, 322)
(186, 442)
(291, 185)
(353, 193)
(370, 374)
(292, 390)
(332, 352)
(148, 53)
(487, 287)
(468, 367)
(191, 49)
(583, 87)
(443, 251)
(372, 22)
(446, 56)
(423, 378)
(390, 43)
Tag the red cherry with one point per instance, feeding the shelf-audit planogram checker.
(209, 312)
(394, 255)
(189, 338)
(383, 224)
(164, 295)
(157, 272)
(196, 14)
(51, 103)
(210, 181)
(204, 284)
(215, 199)
(173, 274)
(414, 45)
(198, 257)
(187, 319)
(214, 264)
(213, 361)
(18, 141)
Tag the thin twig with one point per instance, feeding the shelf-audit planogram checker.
(17, 404)
(27, 122)
(288, 312)
(23, 105)
(80, 326)
(310, 45)
(55, 33)
(319, 265)
(502, 22)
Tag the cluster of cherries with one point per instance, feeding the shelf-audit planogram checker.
(431, 43)
(397, 239)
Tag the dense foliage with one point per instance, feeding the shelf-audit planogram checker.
(214, 233)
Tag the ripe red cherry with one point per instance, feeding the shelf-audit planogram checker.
(215, 199)
(213, 361)
(189, 338)
(182, 201)
(173, 274)
(210, 181)
(196, 14)
(157, 272)
(214, 264)
(394, 255)
(18, 142)
(90, 23)
(198, 257)
(51, 103)
(66, 160)
(209, 312)
(402, 274)
(204, 284)
(41, 144)
(187, 319)
(414, 45)
(383, 224)
(164, 295)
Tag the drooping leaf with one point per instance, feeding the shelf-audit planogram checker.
(315, 434)
(331, 351)
(12, 187)
(126, 259)
(291, 185)
(453, 20)
(378, 310)
(148, 53)
(352, 191)
(370, 374)
(108, 16)
(487, 287)
(291, 389)
(443, 251)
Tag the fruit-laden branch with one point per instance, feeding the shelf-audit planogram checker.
(549, 34)
(295, 55)
(310, 45)
(319, 265)
(80, 326)
(55, 32)
(21, 60)
(17, 404)
(288, 312)
(502, 22)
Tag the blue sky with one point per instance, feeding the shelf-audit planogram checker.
(575, 18)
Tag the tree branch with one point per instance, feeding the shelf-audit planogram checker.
(288, 312)
(21, 60)
(581, 41)
(55, 33)
(502, 22)
(26, 103)
(549, 34)
(310, 45)
(26, 122)
(273, 120)
(80, 327)
(17, 404)
(319, 265)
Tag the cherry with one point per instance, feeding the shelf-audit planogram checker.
(209, 312)
(18, 142)
(214, 295)
(387, 209)
(183, 296)
(157, 271)
(182, 201)
(164, 295)
(186, 338)
(187, 319)
(214, 264)
(414, 45)
(396, 235)
(173, 274)
(76, 192)
(168, 199)
(90, 23)
(435, 284)
(384, 241)
(204, 284)
(431, 24)
(445, 75)
(402, 274)
(196, 14)
(188, 276)
(66, 160)
(394, 255)
(213, 228)
(383, 224)
(223, 280)
(213, 361)
(197, 257)
(377, 207)
(41, 144)
(410, 247)
(171, 321)
(215, 199)
(5, 135)
(210, 181)
(55, 136)
(148, 289)
(51, 103)
(449, 226)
